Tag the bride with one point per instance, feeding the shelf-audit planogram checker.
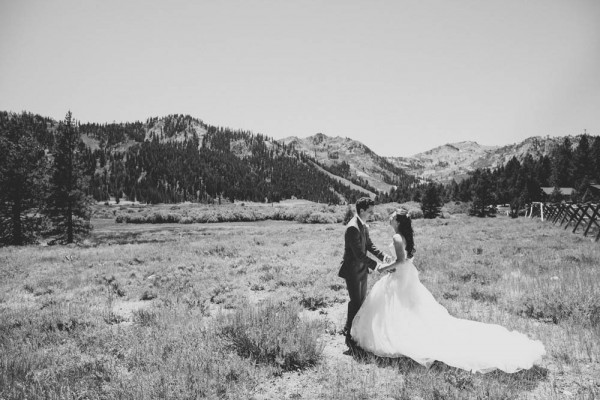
(400, 317)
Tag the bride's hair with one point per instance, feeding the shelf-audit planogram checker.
(406, 230)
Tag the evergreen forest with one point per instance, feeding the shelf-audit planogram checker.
(179, 158)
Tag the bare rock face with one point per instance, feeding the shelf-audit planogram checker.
(443, 164)
(328, 151)
(456, 160)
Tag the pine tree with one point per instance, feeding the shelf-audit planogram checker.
(68, 206)
(582, 162)
(431, 203)
(483, 194)
(22, 176)
(556, 195)
(562, 164)
(595, 156)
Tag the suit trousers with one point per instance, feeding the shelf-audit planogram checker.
(357, 289)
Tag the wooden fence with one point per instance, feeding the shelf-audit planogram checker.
(578, 215)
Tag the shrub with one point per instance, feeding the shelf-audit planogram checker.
(321, 218)
(160, 217)
(553, 307)
(303, 217)
(273, 334)
(145, 317)
(313, 300)
(456, 207)
(478, 295)
(415, 214)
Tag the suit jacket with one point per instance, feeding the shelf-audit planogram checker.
(355, 263)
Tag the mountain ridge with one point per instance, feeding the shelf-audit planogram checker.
(350, 161)
(442, 164)
(455, 160)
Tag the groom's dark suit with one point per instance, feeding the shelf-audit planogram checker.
(355, 265)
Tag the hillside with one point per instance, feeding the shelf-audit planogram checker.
(363, 165)
(179, 158)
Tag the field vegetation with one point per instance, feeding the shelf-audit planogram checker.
(253, 310)
(189, 213)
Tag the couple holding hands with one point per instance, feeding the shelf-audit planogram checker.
(401, 318)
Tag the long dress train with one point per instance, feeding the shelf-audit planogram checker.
(400, 317)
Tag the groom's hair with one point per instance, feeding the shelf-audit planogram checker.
(363, 203)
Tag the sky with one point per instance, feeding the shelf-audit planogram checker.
(400, 76)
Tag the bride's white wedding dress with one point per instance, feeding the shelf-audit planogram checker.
(400, 317)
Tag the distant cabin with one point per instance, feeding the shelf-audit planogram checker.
(566, 192)
(592, 192)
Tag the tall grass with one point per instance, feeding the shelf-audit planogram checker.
(273, 334)
(251, 311)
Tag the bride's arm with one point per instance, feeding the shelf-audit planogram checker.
(401, 256)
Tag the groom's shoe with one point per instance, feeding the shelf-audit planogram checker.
(351, 343)
(353, 348)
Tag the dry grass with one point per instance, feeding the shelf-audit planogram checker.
(252, 310)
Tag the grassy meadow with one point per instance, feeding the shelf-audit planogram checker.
(253, 310)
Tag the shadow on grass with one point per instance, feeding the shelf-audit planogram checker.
(402, 364)
(524, 380)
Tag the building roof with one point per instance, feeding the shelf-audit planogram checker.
(565, 191)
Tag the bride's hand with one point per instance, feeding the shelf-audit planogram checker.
(385, 268)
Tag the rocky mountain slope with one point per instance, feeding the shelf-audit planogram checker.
(363, 162)
(456, 160)
(441, 164)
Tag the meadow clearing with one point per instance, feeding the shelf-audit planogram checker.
(253, 310)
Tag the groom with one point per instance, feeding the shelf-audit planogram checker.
(355, 264)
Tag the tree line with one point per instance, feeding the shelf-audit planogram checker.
(208, 170)
(49, 177)
(571, 164)
(42, 179)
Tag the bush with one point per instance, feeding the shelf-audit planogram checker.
(550, 307)
(321, 218)
(161, 217)
(456, 207)
(313, 300)
(273, 334)
(302, 217)
(213, 214)
(415, 214)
